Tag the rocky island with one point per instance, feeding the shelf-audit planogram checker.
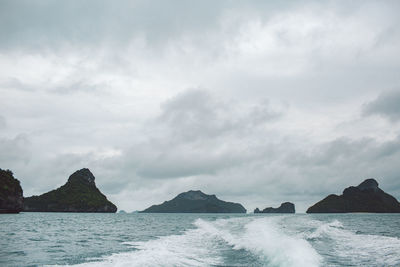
(11, 199)
(79, 194)
(286, 207)
(196, 202)
(366, 197)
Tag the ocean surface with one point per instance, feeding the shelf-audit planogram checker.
(84, 239)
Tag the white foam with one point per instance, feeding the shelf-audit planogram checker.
(204, 246)
(326, 228)
(350, 248)
(265, 238)
(189, 249)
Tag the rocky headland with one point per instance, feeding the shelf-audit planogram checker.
(79, 194)
(196, 202)
(286, 207)
(11, 199)
(366, 197)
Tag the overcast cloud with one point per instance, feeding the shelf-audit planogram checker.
(257, 102)
(386, 105)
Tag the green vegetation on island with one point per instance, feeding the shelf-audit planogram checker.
(286, 207)
(366, 197)
(79, 194)
(196, 202)
(11, 200)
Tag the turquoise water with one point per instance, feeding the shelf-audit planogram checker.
(31, 239)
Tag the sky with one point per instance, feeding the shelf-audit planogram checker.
(258, 102)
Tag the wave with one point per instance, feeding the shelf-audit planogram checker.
(192, 248)
(209, 242)
(352, 248)
(278, 241)
(265, 238)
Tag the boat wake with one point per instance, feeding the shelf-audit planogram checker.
(281, 241)
(352, 248)
(212, 242)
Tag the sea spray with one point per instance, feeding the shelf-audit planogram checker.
(205, 245)
(263, 237)
(353, 248)
(202, 240)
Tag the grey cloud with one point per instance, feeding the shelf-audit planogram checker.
(330, 153)
(387, 105)
(14, 150)
(48, 24)
(69, 85)
(343, 161)
(185, 160)
(199, 134)
(310, 171)
(186, 164)
(263, 112)
(196, 114)
(16, 84)
(85, 81)
(388, 149)
(3, 122)
(251, 164)
(39, 177)
(78, 86)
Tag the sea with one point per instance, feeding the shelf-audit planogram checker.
(139, 239)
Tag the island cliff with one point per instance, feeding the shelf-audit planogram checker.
(79, 194)
(11, 200)
(196, 202)
(366, 197)
(285, 207)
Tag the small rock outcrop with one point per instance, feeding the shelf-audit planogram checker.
(79, 194)
(11, 199)
(196, 202)
(285, 207)
(366, 197)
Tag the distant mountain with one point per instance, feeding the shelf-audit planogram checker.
(196, 202)
(79, 194)
(11, 200)
(366, 197)
(285, 207)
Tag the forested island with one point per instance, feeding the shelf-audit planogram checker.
(79, 194)
(366, 197)
(196, 202)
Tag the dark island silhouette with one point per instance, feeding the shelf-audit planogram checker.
(286, 207)
(79, 194)
(366, 197)
(196, 202)
(11, 200)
